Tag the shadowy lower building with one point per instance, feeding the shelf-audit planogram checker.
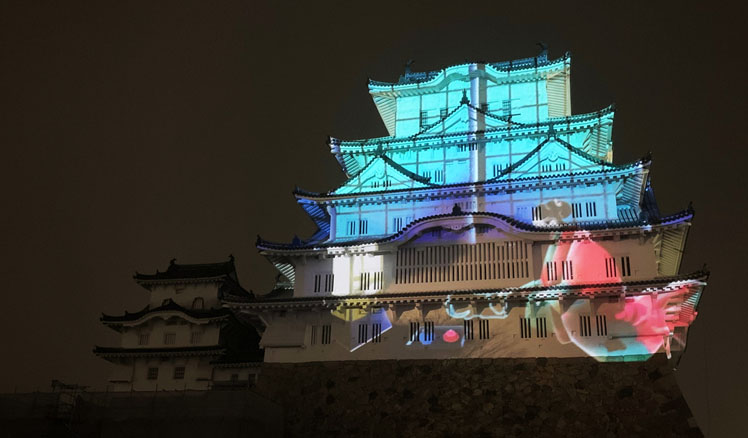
(184, 339)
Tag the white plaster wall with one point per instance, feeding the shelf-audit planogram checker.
(185, 294)
(563, 340)
(157, 327)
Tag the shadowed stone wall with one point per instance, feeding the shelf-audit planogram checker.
(480, 398)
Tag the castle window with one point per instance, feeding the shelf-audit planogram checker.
(326, 334)
(198, 303)
(375, 185)
(524, 328)
(195, 337)
(363, 226)
(438, 176)
(387, 183)
(428, 331)
(467, 326)
(506, 107)
(591, 208)
(567, 270)
(143, 339)
(363, 333)
(483, 332)
(423, 119)
(351, 228)
(152, 373)
(313, 335)
(551, 271)
(178, 373)
(415, 328)
(625, 266)
(546, 167)
(426, 174)
(610, 267)
(576, 209)
(365, 277)
(376, 333)
(584, 326)
(170, 338)
(561, 166)
(541, 329)
(443, 112)
(324, 282)
(397, 224)
(601, 323)
(537, 213)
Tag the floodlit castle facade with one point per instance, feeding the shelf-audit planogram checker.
(490, 222)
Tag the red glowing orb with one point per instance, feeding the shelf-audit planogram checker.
(450, 336)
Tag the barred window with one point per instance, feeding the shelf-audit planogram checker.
(196, 337)
(567, 270)
(541, 328)
(152, 373)
(179, 373)
(170, 338)
(428, 331)
(467, 326)
(524, 328)
(326, 334)
(601, 323)
(483, 332)
(585, 328)
(363, 333)
(610, 267)
(143, 339)
(376, 332)
(625, 266)
(415, 328)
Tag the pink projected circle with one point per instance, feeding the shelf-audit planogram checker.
(450, 336)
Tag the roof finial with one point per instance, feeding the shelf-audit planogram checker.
(407, 66)
(231, 257)
(543, 47)
(172, 262)
(464, 99)
(551, 131)
(456, 209)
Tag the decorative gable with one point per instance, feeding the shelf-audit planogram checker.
(382, 175)
(554, 156)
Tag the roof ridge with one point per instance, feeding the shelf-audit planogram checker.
(610, 224)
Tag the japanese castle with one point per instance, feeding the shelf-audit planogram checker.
(490, 222)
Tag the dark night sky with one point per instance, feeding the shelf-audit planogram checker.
(137, 132)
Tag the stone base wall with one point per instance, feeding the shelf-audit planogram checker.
(479, 398)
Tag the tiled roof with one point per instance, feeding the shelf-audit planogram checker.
(608, 167)
(410, 78)
(197, 271)
(170, 306)
(701, 275)
(524, 226)
(209, 350)
(558, 122)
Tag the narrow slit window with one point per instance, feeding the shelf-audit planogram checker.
(525, 331)
(541, 328)
(468, 329)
